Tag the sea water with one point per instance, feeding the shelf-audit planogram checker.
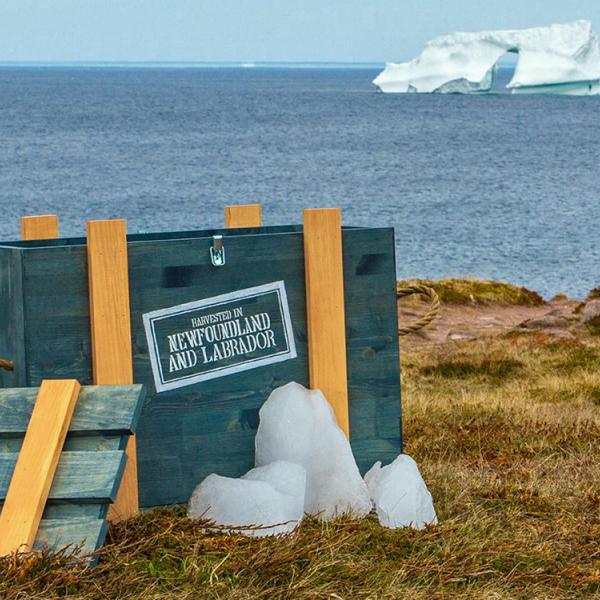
(492, 186)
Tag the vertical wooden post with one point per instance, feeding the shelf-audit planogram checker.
(111, 333)
(36, 465)
(243, 215)
(325, 309)
(42, 227)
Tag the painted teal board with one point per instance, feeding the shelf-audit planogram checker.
(186, 434)
(91, 465)
(107, 409)
(12, 341)
(83, 533)
(81, 477)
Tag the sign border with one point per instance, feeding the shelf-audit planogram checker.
(150, 318)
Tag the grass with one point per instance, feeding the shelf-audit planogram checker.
(507, 433)
(478, 291)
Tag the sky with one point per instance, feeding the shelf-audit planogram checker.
(257, 30)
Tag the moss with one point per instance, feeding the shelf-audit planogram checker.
(478, 291)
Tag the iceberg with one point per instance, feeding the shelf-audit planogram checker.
(559, 59)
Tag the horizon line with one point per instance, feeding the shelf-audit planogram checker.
(190, 63)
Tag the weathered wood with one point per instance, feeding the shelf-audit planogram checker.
(80, 476)
(41, 227)
(36, 465)
(187, 434)
(106, 410)
(325, 309)
(111, 333)
(83, 533)
(243, 215)
(12, 342)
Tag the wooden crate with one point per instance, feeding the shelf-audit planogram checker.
(90, 467)
(209, 425)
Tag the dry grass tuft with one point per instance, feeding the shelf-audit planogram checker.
(507, 434)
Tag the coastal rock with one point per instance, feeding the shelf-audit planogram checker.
(590, 316)
(548, 321)
(457, 335)
(591, 311)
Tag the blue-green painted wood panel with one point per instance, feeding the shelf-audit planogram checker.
(107, 409)
(80, 477)
(85, 533)
(209, 427)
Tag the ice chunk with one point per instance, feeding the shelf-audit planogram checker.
(270, 497)
(298, 426)
(400, 495)
(560, 59)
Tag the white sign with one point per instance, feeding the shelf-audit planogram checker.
(219, 336)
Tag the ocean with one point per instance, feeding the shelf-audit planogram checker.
(491, 186)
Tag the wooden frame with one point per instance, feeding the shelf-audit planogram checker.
(111, 333)
(325, 309)
(243, 215)
(357, 373)
(39, 227)
(38, 458)
(62, 485)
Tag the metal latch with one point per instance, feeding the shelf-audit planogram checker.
(217, 251)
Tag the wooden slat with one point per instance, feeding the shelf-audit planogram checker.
(325, 309)
(102, 410)
(111, 333)
(36, 465)
(41, 227)
(243, 215)
(90, 477)
(87, 533)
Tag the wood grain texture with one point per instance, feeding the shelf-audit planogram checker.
(243, 215)
(12, 342)
(108, 274)
(326, 318)
(184, 435)
(36, 465)
(106, 410)
(42, 227)
(88, 533)
(88, 477)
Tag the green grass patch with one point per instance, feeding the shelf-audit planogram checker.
(488, 368)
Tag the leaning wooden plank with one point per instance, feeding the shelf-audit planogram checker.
(243, 215)
(107, 410)
(111, 332)
(85, 533)
(39, 227)
(36, 465)
(90, 477)
(326, 321)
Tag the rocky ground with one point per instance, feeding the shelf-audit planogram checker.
(469, 318)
